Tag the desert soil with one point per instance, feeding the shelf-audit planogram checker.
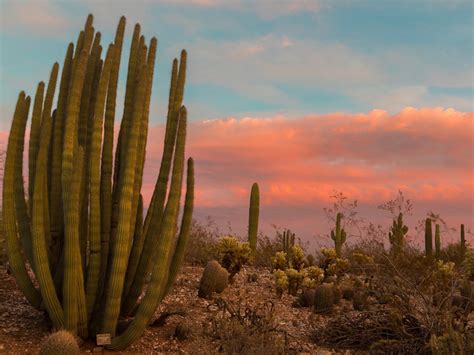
(23, 329)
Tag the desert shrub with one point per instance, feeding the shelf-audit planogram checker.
(452, 252)
(233, 254)
(266, 249)
(242, 329)
(202, 242)
(468, 264)
(182, 331)
(408, 308)
(214, 279)
(59, 343)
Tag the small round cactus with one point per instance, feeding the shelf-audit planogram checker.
(324, 298)
(60, 343)
(306, 298)
(214, 279)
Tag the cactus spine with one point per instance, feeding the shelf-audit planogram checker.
(428, 238)
(338, 235)
(83, 220)
(254, 211)
(437, 241)
(397, 235)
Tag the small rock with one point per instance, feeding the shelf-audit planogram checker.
(98, 349)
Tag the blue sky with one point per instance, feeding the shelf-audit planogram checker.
(263, 58)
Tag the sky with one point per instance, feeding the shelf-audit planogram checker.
(365, 97)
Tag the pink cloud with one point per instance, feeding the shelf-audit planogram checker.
(427, 153)
(298, 163)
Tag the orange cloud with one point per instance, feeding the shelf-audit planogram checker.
(427, 153)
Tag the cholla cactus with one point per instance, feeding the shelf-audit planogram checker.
(279, 261)
(233, 254)
(281, 281)
(295, 277)
(297, 260)
(337, 267)
(313, 276)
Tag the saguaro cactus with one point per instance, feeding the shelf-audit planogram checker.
(463, 241)
(437, 241)
(254, 211)
(82, 230)
(428, 238)
(397, 235)
(338, 235)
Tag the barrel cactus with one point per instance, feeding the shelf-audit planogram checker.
(81, 228)
(324, 298)
(59, 343)
(214, 279)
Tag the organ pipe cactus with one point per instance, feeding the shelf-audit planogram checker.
(82, 230)
(254, 210)
(397, 235)
(338, 235)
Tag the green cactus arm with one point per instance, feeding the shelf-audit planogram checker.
(137, 246)
(120, 246)
(93, 267)
(156, 209)
(72, 267)
(40, 253)
(17, 265)
(21, 208)
(159, 279)
(34, 140)
(55, 200)
(128, 104)
(107, 158)
(170, 126)
(178, 255)
(253, 216)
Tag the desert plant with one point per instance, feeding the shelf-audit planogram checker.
(81, 230)
(233, 254)
(468, 264)
(359, 300)
(214, 279)
(203, 238)
(295, 278)
(428, 238)
(59, 343)
(463, 241)
(254, 210)
(240, 328)
(437, 241)
(281, 281)
(338, 235)
(324, 298)
(397, 235)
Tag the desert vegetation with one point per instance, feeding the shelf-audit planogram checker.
(91, 264)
